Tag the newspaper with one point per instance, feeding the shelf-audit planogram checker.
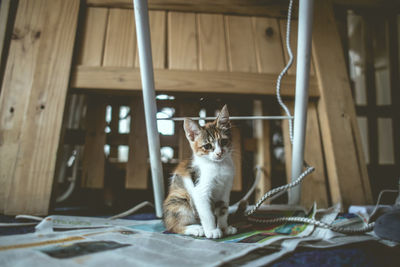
(77, 241)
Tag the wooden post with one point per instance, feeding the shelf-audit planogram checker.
(346, 168)
(137, 168)
(93, 161)
(263, 153)
(32, 102)
(237, 158)
(114, 127)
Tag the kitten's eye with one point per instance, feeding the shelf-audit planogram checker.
(207, 146)
(224, 142)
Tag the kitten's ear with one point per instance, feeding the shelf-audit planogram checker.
(191, 128)
(223, 119)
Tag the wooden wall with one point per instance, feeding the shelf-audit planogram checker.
(192, 52)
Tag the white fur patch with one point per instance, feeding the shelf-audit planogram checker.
(194, 230)
(215, 233)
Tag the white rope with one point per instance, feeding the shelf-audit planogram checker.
(379, 200)
(366, 228)
(308, 170)
(284, 71)
(280, 189)
(274, 192)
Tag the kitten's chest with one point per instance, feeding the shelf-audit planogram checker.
(217, 174)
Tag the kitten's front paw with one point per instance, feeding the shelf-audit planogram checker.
(230, 230)
(194, 230)
(214, 233)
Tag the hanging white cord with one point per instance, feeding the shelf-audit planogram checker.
(379, 200)
(308, 170)
(284, 71)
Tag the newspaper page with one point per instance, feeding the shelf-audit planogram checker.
(77, 241)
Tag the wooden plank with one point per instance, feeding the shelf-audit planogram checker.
(4, 14)
(93, 160)
(7, 15)
(243, 7)
(120, 43)
(32, 101)
(158, 31)
(268, 45)
(237, 158)
(212, 48)
(263, 149)
(128, 79)
(137, 167)
(182, 41)
(293, 45)
(93, 35)
(387, 4)
(14, 98)
(240, 44)
(394, 54)
(313, 187)
(114, 127)
(347, 173)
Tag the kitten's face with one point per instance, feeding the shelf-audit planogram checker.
(214, 140)
(213, 143)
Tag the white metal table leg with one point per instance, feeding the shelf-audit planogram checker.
(149, 98)
(301, 98)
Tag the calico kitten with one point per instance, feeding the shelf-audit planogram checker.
(198, 199)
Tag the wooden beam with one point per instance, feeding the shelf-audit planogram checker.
(389, 4)
(128, 79)
(114, 127)
(263, 149)
(14, 96)
(4, 15)
(138, 166)
(93, 161)
(7, 16)
(32, 102)
(346, 168)
(268, 8)
(237, 158)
